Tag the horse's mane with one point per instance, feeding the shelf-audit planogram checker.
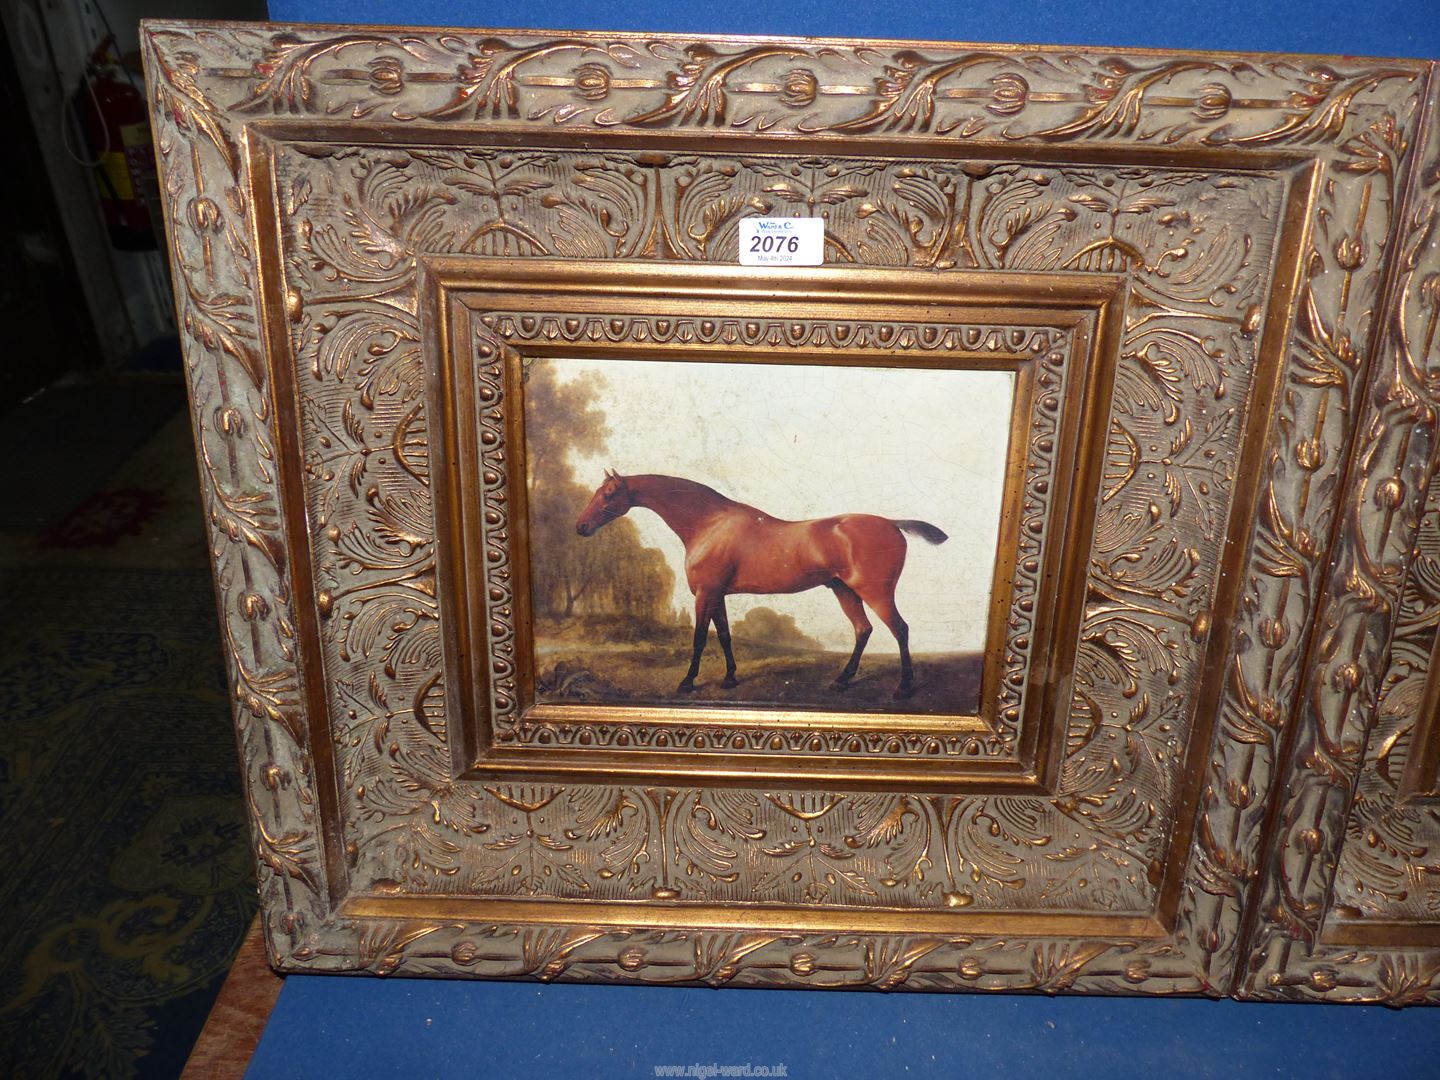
(659, 483)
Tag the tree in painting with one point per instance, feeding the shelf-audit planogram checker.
(571, 578)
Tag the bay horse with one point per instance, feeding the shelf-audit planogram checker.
(734, 548)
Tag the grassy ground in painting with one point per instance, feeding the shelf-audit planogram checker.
(572, 669)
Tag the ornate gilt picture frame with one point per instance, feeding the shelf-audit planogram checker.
(428, 277)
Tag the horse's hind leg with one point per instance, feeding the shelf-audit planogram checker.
(722, 631)
(854, 610)
(884, 607)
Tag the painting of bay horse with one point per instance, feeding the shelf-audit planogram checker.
(733, 548)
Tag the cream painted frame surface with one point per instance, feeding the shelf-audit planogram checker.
(1268, 220)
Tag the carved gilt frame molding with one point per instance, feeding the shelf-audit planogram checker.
(1250, 239)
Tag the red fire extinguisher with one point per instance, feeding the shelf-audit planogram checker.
(111, 113)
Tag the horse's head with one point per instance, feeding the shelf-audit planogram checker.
(611, 500)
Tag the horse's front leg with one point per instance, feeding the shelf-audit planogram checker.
(704, 613)
(722, 631)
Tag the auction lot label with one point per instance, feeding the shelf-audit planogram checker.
(782, 241)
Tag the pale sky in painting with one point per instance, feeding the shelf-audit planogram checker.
(805, 442)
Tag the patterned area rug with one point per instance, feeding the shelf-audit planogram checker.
(127, 885)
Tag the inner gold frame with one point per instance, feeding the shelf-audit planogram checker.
(1085, 307)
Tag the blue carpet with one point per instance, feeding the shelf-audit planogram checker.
(364, 1027)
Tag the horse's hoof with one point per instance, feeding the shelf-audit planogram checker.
(686, 687)
(903, 691)
(840, 685)
(729, 683)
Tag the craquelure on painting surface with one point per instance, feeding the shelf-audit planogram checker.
(1258, 244)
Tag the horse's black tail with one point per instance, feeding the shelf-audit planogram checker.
(924, 530)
